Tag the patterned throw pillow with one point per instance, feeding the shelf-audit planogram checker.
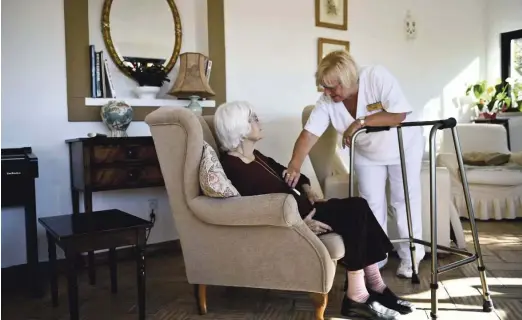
(212, 178)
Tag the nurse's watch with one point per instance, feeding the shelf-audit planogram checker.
(361, 121)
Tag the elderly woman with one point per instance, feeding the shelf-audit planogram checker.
(252, 173)
(369, 96)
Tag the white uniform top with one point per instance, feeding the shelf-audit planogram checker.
(376, 84)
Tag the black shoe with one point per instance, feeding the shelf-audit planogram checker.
(370, 309)
(390, 300)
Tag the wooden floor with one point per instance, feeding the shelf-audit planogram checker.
(169, 296)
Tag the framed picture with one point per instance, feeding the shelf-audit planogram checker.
(325, 46)
(331, 14)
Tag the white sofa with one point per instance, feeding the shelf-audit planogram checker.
(496, 191)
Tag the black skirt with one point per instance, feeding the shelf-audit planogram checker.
(365, 241)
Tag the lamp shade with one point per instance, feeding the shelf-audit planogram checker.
(192, 78)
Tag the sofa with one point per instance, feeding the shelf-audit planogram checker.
(495, 189)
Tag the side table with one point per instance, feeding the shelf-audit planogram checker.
(96, 230)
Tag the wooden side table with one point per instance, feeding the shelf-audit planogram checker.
(97, 230)
(503, 122)
(103, 163)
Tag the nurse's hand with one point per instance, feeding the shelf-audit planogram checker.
(291, 176)
(347, 135)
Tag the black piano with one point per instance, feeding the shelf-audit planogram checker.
(19, 169)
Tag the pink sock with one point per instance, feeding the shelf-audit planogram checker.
(373, 278)
(356, 287)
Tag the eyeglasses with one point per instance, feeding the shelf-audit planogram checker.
(253, 118)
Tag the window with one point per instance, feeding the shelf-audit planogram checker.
(511, 54)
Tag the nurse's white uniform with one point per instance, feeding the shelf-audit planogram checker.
(377, 154)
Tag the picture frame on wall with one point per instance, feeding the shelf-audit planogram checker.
(331, 14)
(325, 46)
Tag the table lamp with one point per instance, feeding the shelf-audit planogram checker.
(192, 80)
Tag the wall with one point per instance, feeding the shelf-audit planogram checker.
(272, 53)
(502, 16)
(34, 113)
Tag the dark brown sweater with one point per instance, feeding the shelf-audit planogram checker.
(252, 179)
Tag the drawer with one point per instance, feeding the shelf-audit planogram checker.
(107, 154)
(126, 177)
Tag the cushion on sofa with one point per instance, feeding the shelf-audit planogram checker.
(212, 178)
(485, 158)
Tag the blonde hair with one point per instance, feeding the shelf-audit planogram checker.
(337, 66)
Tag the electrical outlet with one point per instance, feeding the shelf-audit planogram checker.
(153, 204)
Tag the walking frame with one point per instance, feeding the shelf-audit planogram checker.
(449, 123)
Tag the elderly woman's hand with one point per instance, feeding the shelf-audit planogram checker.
(317, 227)
(313, 197)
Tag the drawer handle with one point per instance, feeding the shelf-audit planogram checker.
(134, 174)
(132, 153)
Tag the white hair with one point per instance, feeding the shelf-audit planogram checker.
(232, 125)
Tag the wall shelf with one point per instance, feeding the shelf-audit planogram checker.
(133, 102)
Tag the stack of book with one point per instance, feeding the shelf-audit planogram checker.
(102, 85)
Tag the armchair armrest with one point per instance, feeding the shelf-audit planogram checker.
(278, 209)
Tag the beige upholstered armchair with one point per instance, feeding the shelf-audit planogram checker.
(255, 241)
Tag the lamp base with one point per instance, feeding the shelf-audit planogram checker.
(194, 105)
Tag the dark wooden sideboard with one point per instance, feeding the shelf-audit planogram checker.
(103, 164)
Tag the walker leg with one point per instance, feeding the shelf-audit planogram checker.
(487, 304)
(434, 285)
(414, 275)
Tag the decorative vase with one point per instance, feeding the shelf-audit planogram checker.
(117, 116)
(147, 92)
(194, 105)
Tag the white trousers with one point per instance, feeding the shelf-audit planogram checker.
(372, 187)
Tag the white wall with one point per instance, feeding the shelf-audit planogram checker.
(34, 113)
(272, 56)
(502, 16)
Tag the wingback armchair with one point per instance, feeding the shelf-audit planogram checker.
(251, 241)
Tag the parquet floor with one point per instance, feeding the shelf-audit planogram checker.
(169, 296)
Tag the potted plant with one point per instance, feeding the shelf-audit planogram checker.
(491, 99)
(150, 78)
(515, 90)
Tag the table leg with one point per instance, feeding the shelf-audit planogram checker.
(87, 203)
(51, 249)
(114, 270)
(140, 266)
(31, 242)
(72, 283)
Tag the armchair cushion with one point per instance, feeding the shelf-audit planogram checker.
(279, 210)
(212, 178)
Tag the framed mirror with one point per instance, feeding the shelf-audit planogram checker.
(141, 31)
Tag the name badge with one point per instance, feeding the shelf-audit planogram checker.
(374, 107)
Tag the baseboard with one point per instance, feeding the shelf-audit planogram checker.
(14, 279)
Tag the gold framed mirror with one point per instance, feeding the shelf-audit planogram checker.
(137, 31)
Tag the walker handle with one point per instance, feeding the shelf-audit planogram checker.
(376, 129)
(444, 123)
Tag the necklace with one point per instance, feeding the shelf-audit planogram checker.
(273, 173)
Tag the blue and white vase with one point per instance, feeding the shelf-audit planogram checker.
(117, 116)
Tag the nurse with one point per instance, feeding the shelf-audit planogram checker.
(355, 97)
